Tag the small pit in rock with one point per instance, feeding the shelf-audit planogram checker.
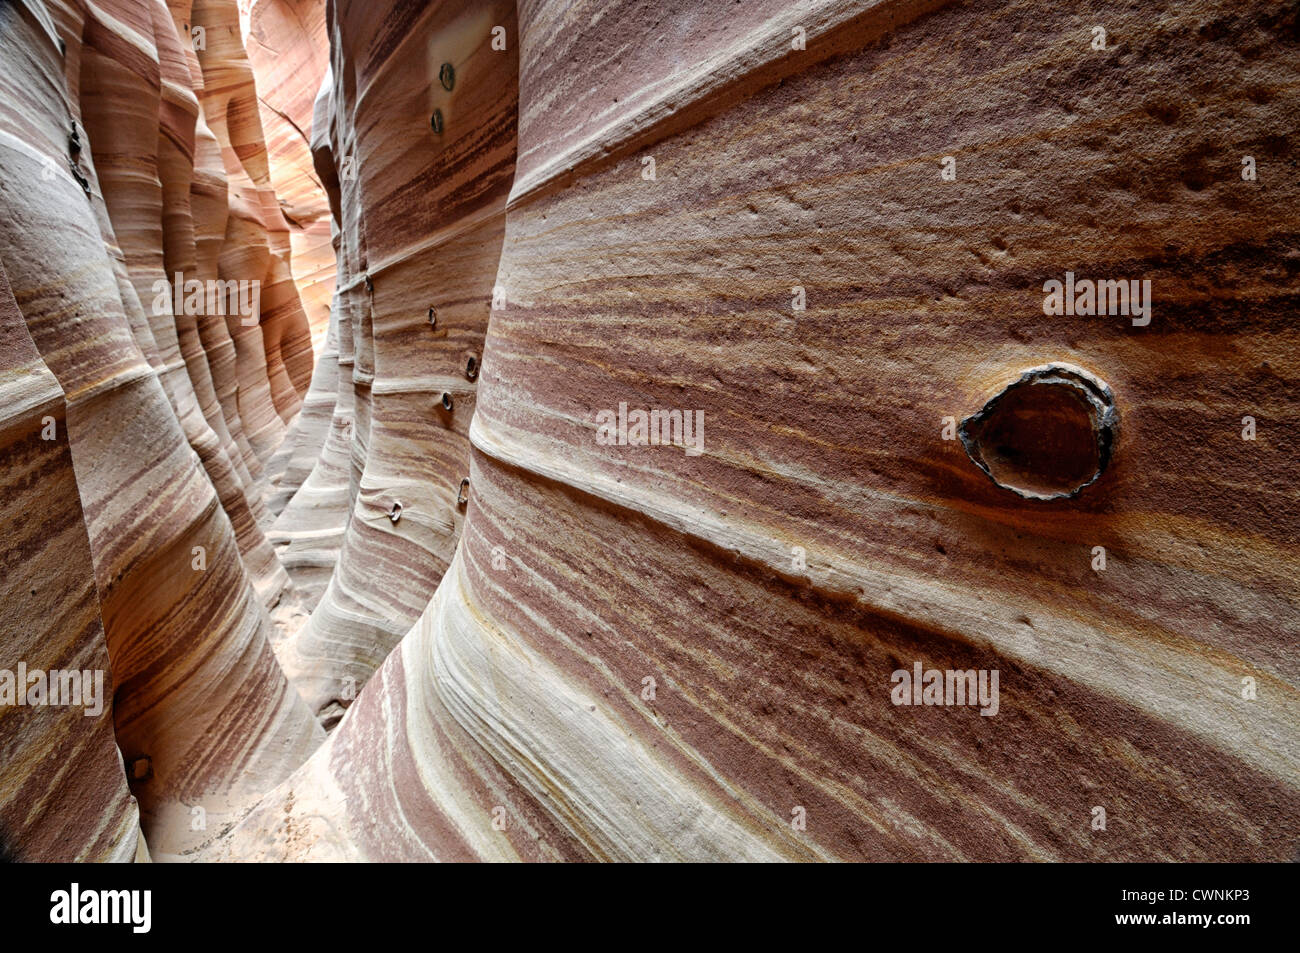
(1047, 435)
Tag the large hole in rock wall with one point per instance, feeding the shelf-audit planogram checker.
(1045, 436)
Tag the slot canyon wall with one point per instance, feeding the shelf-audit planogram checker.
(377, 573)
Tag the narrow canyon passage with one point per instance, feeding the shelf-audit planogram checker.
(570, 430)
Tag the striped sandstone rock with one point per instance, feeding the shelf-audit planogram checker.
(639, 653)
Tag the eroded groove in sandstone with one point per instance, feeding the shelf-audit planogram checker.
(532, 638)
(199, 697)
(126, 101)
(431, 210)
(288, 50)
(63, 796)
(309, 531)
(274, 356)
(585, 568)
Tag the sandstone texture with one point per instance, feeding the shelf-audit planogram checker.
(383, 571)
